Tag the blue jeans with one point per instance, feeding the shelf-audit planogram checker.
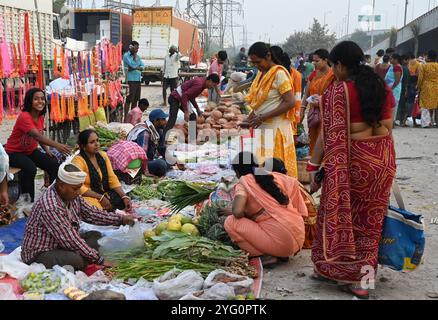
(158, 168)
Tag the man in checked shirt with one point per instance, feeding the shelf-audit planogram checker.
(52, 233)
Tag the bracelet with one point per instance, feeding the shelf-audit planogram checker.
(101, 198)
(126, 197)
(312, 167)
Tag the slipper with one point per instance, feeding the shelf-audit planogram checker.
(269, 261)
(361, 294)
(319, 278)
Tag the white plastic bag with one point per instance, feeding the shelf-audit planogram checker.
(174, 285)
(14, 266)
(7, 292)
(240, 284)
(24, 206)
(141, 291)
(128, 239)
(426, 119)
(218, 292)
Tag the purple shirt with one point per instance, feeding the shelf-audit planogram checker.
(190, 91)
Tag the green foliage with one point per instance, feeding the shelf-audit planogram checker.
(317, 37)
(363, 39)
(57, 5)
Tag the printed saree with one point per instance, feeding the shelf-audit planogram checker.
(358, 178)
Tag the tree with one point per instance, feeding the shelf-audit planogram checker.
(363, 39)
(57, 5)
(318, 36)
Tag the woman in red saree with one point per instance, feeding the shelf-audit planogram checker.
(357, 151)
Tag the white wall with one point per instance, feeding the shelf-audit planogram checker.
(44, 6)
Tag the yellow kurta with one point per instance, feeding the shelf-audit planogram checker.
(112, 178)
(275, 137)
(428, 85)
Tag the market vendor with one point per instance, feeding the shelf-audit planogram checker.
(52, 233)
(4, 176)
(22, 145)
(102, 188)
(268, 210)
(184, 99)
(150, 137)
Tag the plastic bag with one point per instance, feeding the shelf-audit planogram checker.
(141, 291)
(174, 285)
(7, 292)
(2, 246)
(426, 119)
(240, 284)
(14, 266)
(219, 291)
(128, 239)
(24, 205)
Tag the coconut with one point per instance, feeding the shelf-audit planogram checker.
(229, 116)
(222, 121)
(236, 111)
(206, 114)
(222, 108)
(216, 115)
(201, 120)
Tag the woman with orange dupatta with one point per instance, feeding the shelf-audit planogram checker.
(357, 151)
(268, 210)
(319, 81)
(271, 98)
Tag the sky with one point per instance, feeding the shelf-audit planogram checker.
(274, 20)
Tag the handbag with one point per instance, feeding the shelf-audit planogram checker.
(403, 238)
(314, 118)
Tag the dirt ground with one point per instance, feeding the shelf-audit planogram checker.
(417, 160)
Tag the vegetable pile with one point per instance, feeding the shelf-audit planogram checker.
(177, 250)
(107, 138)
(189, 194)
(45, 282)
(225, 116)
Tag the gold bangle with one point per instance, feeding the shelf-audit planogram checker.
(101, 198)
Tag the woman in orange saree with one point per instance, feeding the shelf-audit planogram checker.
(268, 211)
(357, 151)
(319, 81)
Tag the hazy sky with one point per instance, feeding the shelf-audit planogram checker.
(274, 20)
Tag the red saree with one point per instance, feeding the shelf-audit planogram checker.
(358, 178)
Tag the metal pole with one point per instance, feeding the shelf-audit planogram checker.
(372, 24)
(348, 22)
(42, 55)
(406, 11)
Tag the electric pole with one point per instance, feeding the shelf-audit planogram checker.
(406, 11)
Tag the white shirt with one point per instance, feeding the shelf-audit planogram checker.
(171, 65)
(4, 165)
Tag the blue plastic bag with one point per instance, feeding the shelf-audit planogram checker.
(403, 239)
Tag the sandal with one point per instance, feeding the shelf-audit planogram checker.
(320, 278)
(269, 261)
(359, 293)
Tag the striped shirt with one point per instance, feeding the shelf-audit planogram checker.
(53, 225)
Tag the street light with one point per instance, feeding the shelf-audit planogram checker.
(348, 18)
(325, 16)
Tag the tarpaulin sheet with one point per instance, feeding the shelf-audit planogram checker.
(12, 235)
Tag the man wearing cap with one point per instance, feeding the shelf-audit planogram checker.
(150, 137)
(52, 233)
(171, 68)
